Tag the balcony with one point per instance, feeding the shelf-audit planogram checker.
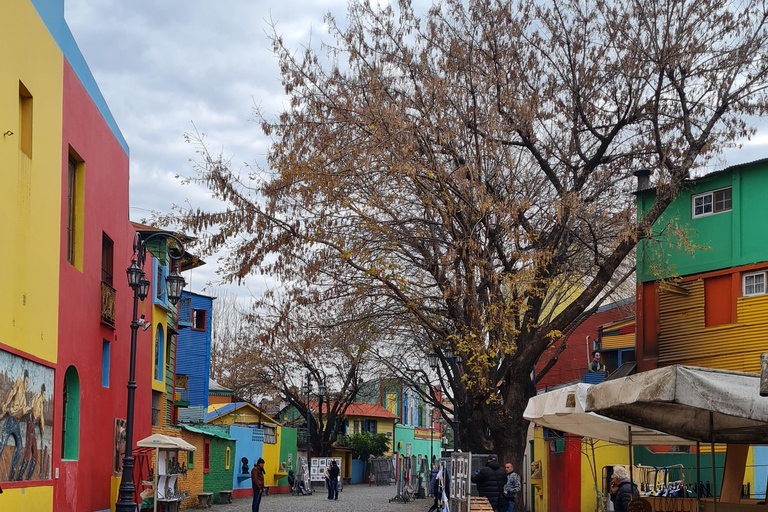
(108, 295)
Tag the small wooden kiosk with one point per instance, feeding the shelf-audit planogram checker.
(167, 469)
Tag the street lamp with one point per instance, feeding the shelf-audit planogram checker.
(138, 281)
(434, 363)
(307, 389)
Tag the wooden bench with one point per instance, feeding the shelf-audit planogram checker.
(204, 499)
(225, 496)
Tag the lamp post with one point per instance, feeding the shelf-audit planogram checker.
(307, 388)
(434, 363)
(138, 281)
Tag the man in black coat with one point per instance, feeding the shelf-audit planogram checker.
(490, 481)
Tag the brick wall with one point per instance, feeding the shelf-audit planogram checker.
(193, 483)
(220, 478)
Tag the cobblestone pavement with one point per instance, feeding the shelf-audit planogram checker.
(354, 498)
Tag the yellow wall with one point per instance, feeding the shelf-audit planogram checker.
(606, 454)
(685, 339)
(271, 458)
(30, 200)
(27, 499)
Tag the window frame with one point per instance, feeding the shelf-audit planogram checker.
(761, 273)
(206, 456)
(712, 203)
(270, 434)
(205, 319)
(107, 259)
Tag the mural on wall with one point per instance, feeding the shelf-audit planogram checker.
(26, 417)
(119, 450)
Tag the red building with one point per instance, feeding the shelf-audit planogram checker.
(573, 361)
(95, 307)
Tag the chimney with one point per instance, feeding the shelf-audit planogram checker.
(643, 179)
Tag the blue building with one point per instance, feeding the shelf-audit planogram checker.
(193, 354)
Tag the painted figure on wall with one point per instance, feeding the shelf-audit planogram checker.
(24, 439)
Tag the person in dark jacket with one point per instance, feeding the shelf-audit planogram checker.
(333, 481)
(622, 489)
(490, 482)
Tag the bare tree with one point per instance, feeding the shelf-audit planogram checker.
(471, 169)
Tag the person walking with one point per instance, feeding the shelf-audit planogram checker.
(622, 489)
(333, 481)
(511, 488)
(257, 482)
(490, 482)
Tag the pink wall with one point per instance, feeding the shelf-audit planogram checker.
(84, 485)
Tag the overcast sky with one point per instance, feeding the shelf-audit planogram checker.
(164, 64)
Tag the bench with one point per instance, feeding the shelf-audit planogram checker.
(225, 496)
(204, 499)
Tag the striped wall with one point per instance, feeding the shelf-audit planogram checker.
(684, 338)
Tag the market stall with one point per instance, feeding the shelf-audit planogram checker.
(168, 467)
(700, 404)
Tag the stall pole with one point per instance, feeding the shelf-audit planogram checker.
(154, 478)
(698, 475)
(631, 472)
(712, 450)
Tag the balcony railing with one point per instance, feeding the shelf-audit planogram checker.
(181, 395)
(108, 295)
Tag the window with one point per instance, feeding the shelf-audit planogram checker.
(159, 349)
(356, 427)
(712, 202)
(70, 425)
(159, 283)
(207, 456)
(227, 458)
(156, 396)
(270, 435)
(107, 252)
(198, 319)
(368, 426)
(190, 460)
(25, 120)
(754, 284)
(71, 209)
(105, 349)
(75, 209)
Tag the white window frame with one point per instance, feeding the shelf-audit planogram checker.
(744, 283)
(711, 195)
(270, 434)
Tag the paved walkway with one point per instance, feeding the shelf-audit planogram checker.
(354, 498)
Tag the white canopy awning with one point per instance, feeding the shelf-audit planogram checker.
(164, 442)
(681, 400)
(564, 409)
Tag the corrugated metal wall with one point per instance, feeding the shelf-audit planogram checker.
(684, 339)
